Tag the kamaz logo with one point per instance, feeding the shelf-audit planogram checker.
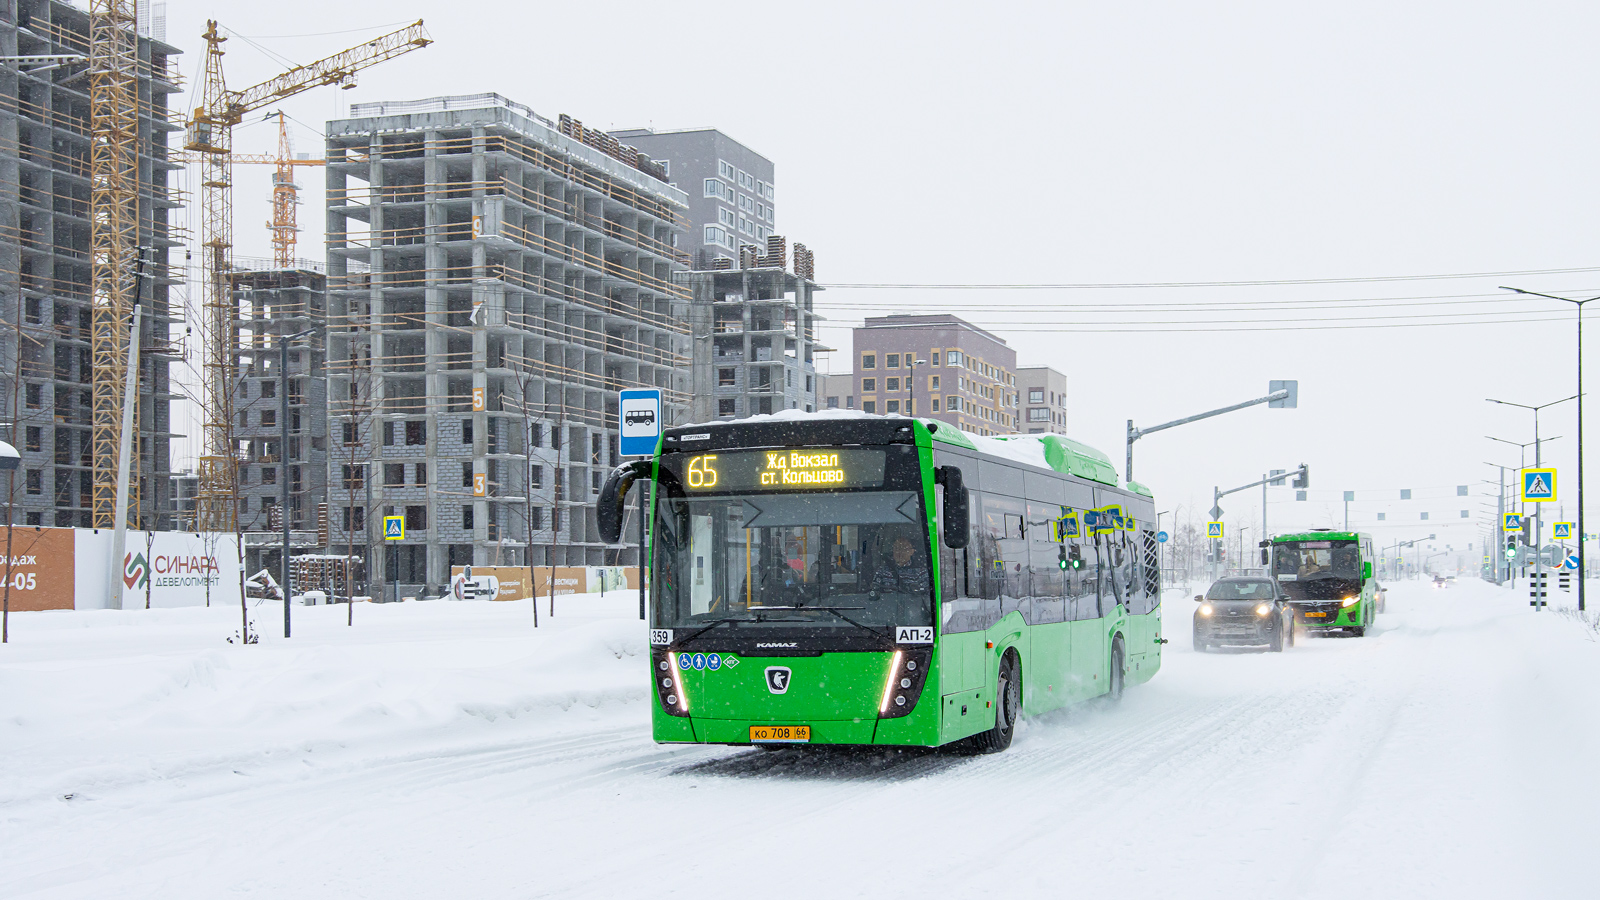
(778, 645)
(778, 679)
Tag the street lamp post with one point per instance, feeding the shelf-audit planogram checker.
(283, 461)
(1538, 511)
(1522, 463)
(1583, 570)
(10, 459)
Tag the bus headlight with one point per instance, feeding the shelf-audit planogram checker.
(908, 671)
(1350, 601)
(1205, 609)
(669, 683)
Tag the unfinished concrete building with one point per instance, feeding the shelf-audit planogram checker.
(46, 363)
(495, 279)
(275, 304)
(754, 335)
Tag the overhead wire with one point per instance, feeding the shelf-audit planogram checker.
(1372, 279)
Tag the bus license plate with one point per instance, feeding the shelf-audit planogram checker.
(1316, 615)
(780, 734)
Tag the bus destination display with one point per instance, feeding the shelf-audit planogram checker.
(835, 468)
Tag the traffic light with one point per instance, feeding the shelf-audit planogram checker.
(1511, 546)
(1072, 559)
(1303, 480)
(1061, 556)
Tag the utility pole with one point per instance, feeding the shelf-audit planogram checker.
(130, 402)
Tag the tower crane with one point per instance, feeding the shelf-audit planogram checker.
(113, 232)
(210, 134)
(284, 226)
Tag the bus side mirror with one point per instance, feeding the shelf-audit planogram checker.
(608, 509)
(956, 503)
(1366, 569)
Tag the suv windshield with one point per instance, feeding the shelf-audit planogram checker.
(826, 559)
(1240, 590)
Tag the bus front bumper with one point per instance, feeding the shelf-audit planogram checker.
(1328, 615)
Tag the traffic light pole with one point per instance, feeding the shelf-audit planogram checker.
(1302, 479)
(1285, 395)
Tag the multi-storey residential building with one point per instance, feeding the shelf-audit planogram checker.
(1043, 393)
(275, 304)
(184, 500)
(495, 278)
(936, 366)
(753, 332)
(45, 265)
(729, 188)
(836, 391)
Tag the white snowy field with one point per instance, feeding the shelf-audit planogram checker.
(450, 750)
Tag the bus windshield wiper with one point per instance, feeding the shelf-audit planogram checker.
(714, 625)
(867, 628)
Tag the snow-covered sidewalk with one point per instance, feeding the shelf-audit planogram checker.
(450, 749)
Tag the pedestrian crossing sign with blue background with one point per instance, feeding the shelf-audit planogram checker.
(1538, 485)
(394, 528)
(1562, 531)
(1513, 522)
(1213, 529)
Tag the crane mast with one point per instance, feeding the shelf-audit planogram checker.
(113, 233)
(210, 134)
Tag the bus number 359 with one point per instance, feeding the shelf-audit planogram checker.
(701, 473)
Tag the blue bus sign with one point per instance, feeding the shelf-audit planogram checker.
(640, 411)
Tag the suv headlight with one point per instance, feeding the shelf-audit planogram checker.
(1264, 609)
(1205, 609)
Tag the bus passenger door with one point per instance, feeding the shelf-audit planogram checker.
(1089, 609)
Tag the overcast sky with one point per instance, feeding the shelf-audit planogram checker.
(1076, 143)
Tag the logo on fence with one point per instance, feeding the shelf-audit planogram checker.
(135, 570)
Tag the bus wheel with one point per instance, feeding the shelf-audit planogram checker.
(1007, 707)
(1359, 631)
(1119, 673)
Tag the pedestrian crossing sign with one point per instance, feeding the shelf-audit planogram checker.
(1513, 522)
(1064, 527)
(1538, 485)
(394, 528)
(1213, 529)
(1562, 532)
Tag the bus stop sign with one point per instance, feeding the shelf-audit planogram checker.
(641, 422)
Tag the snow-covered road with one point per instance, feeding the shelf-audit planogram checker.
(448, 750)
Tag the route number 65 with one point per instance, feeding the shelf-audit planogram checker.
(701, 473)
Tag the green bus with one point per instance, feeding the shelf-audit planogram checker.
(1328, 578)
(854, 579)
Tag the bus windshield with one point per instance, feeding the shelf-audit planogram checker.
(834, 559)
(1317, 570)
(1311, 560)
